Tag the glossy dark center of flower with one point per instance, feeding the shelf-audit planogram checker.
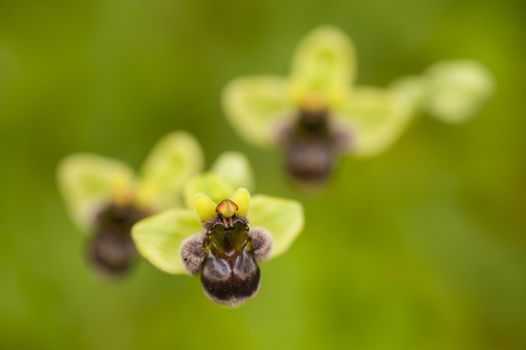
(228, 236)
(112, 249)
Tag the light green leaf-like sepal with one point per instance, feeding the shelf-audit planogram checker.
(159, 238)
(211, 185)
(375, 118)
(89, 182)
(457, 89)
(324, 63)
(172, 162)
(235, 168)
(255, 105)
(282, 218)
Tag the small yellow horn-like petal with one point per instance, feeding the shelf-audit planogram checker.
(242, 199)
(205, 207)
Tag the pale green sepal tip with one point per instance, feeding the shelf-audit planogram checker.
(242, 198)
(282, 218)
(235, 168)
(204, 206)
(159, 238)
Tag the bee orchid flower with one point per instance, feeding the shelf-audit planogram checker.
(317, 113)
(223, 235)
(105, 197)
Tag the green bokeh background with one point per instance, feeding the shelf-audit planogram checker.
(420, 248)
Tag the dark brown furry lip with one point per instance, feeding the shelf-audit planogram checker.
(311, 147)
(229, 273)
(111, 250)
(233, 288)
(226, 255)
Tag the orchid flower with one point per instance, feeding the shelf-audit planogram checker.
(317, 113)
(105, 197)
(223, 235)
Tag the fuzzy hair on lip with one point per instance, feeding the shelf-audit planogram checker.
(193, 253)
(223, 294)
(233, 302)
(230, 282)
(261, 243)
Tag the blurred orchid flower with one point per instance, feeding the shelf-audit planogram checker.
(223, 235)
(452, 91)
(105, 197)
(316, 113)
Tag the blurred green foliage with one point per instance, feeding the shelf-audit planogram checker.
(422, 247)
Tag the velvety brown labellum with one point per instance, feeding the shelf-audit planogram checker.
(311, 147)
(230, 282)
(112, 250)
(229, 273)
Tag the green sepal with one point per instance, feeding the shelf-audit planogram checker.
(255, 107)
(235, 168)
(324, 64)
(159, 238)
(282, 218)
(375, 118)
(457, 89)
(171, 163)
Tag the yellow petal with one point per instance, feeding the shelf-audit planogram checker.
(204, 206)
(242, 199)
